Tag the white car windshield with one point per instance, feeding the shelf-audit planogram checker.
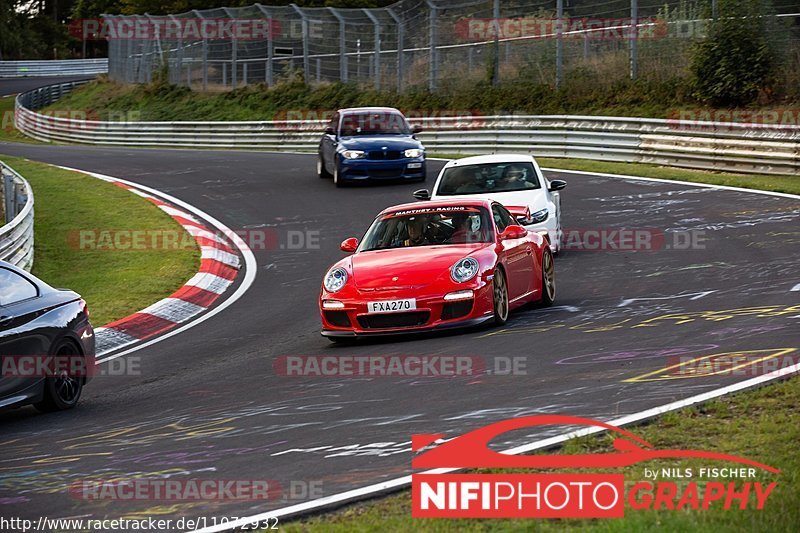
(488, 178)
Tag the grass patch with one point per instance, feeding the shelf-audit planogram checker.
(763, 425)
(114, 283)
(7, 130)
(161, 101)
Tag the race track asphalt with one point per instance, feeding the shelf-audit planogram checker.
(209, 403)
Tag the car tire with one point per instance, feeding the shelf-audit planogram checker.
(322, 173)
(337, 180)
(548, 278)
(500, 297)
(64, 391)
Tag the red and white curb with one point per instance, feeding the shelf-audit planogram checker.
(220, 265)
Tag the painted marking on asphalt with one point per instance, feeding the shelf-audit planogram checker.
(694, 296)
(693, 368)
(795, 288)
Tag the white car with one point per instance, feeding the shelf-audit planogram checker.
(516, 181)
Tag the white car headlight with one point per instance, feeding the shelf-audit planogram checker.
(353, 154)
(413, 152)
(464, 270)
(539, 216)
(335, 279)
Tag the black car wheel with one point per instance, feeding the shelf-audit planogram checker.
(63, 390)
(336, 178)
(548, 278)
(500, 291)
(321, 171)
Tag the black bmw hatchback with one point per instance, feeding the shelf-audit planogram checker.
(47, 344)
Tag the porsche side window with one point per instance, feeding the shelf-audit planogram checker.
(15, 288)
(501, 220)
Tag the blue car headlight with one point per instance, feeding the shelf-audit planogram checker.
(353, 154)
(413, 152)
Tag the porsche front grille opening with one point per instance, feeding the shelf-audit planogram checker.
(394, 320)
(337, 318)
(456, 309)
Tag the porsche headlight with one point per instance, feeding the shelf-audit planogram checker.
(335, 279)
(539, 216)
(353, 154)
(464, 270)
(413, 152)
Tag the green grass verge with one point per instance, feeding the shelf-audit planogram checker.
(114, 283)
(763, 425)
(161, 101)
(765, 182)
(7, 130)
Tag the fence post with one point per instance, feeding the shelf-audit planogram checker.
(496, 66)
(342, 44)
(197, 14)
(400, 46)
(306, 66)
(178, 76)
(433, 67)
(377, 29)
(634, 38)
(234, 52)
(559, 42)
(270, 37)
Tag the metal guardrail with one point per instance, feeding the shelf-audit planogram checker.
(16, 235)
(724, 146)
(56, 67)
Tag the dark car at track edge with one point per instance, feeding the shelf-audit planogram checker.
(47, 343)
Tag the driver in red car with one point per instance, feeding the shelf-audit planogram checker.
(417, 234)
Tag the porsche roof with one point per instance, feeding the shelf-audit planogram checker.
(436, 204)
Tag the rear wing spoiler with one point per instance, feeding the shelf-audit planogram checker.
(521, 213)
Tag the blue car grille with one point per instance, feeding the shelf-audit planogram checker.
(383, 155)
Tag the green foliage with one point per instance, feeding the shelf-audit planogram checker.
(733, 64)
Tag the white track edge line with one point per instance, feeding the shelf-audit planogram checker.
(251, 265)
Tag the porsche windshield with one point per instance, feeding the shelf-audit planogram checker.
(374, 123)
(488, 178)
(427, 227)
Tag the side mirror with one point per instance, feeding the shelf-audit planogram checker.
(422, 194)
(416, 129)
(557, 185)
(349, 245)
(513, 232)
(330, 131)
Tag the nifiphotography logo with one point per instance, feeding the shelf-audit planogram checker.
(437, 494)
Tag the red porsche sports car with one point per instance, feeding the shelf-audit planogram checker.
(435, 265)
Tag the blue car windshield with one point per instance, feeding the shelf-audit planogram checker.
(374, 123)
